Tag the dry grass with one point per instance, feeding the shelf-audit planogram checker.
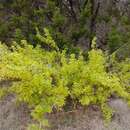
(13, 117)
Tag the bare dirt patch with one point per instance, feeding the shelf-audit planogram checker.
(92, 119)
(13, 117)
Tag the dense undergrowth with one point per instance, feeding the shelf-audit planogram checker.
(72, 23)
(46, 78)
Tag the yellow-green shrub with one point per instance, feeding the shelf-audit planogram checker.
(33, 68)
(89, 82)
(122, 69)
(45, 79)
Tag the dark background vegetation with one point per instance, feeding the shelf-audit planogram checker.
(72, 23)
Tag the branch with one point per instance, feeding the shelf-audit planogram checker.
(94, 14)
(85, 3)
(72, 9)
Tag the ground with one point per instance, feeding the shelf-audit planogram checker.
(14, 117)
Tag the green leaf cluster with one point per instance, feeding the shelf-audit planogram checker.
(122, 69)
(46, 79)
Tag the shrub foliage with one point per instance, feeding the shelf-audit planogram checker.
(46, 79)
